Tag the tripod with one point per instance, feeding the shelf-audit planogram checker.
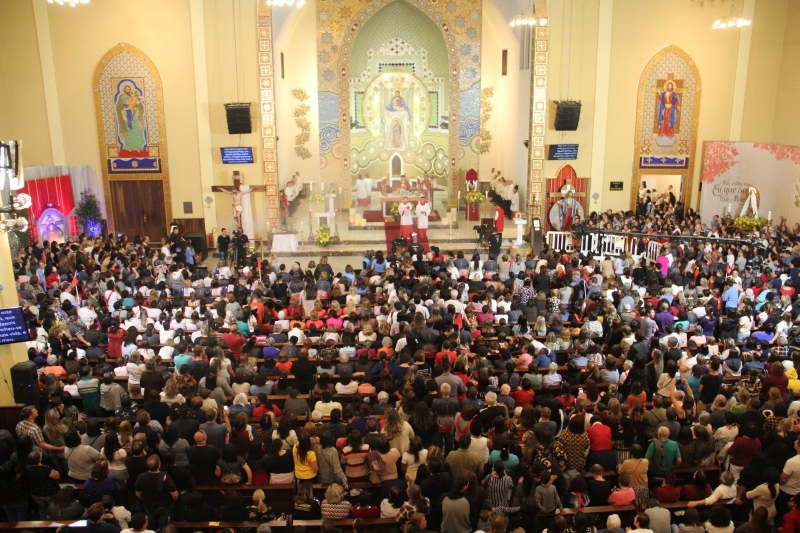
(481, 247)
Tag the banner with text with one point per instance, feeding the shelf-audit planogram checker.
(730, 169)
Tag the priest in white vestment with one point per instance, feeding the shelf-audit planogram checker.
(363, 190)
(515, 202)
(406, 218)
(423, 212)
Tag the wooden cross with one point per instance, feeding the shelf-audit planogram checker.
(237, 181)
(237, 194)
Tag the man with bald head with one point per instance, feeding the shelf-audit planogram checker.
(663, 453)
(203, 460)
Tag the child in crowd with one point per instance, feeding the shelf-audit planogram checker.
(546, 493)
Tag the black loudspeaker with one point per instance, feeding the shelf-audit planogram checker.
(537, 237)
(26, 386)
(567, 116)
(238, 117)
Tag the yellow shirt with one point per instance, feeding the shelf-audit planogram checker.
(304, 470)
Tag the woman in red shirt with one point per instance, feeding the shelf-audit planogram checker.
(600, 449)
(115, 337)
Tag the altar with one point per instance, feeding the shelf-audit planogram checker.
(387, 201)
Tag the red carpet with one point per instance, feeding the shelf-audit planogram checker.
(392, 230)
(376, 216)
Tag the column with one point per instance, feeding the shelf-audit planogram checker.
(538, 117)
(267, 101)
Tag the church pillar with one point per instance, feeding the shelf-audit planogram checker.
(536, 151)
(49, 82)
(604, 29)
(10, 354)
(197, 13)
(267, 102)
(742, 66)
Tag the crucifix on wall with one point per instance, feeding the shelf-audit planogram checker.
(240, 192)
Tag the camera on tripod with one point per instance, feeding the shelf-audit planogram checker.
(481, 228)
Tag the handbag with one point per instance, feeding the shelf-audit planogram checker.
(231, 478)
(374, 478)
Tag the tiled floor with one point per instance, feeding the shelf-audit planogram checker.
(354, 242)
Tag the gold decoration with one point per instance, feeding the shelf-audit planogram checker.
(159, 150)
(267, 101)
(644, 130)
(302, 122)
(486, 114)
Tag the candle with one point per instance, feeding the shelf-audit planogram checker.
(769, 216)
(459, 196)
(729, 209)
(340, 191)
(487, 195)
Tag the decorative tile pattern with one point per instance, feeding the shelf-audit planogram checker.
(539, 53)
(268, 131)
(127, 65)
(666, 137)
(458, 23)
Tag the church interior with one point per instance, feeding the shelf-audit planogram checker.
(307, 124)
(290, 132)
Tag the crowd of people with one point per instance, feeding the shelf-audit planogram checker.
(449, 394)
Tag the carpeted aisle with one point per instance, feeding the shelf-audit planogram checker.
(376, 217)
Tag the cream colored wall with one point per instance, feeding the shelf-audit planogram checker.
(504, 122)
(10, 354)
(23, 114)
(297, 41)
(223, 43)
(766, 51)
(640, 29)
(81, 36)
(785, 128)
(572, 69)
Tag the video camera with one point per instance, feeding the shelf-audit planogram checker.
(481, 228)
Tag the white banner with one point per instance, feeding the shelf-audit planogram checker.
(730, 169)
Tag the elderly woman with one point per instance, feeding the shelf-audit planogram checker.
(240, 405)
(334, 506)
(552, 378)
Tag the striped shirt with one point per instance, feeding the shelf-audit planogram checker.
(497, 489)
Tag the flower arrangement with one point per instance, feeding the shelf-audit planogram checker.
(474, 197)
(394, 209)
(747, 224)
(302, 122)
(316, 198)
(323, 235)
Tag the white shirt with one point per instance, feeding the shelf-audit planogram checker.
(87, 316)
(792, 469)
(423, 211)
(406, 217)
(515, 201)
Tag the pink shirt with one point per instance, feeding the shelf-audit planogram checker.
(622, 497)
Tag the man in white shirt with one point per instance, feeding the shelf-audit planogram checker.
(423, 212)
(790, 479)
(87, 315)
(325, 406)
(363, 190)
(515, 202)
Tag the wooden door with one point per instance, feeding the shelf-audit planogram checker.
(139, 208)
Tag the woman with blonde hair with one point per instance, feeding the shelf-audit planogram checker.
(353, 297)
(54, 431)
(334, 506)
(171, 394)
(367, 334)
(259, 510)
(565, 341)
(125, 435)
(398, 432)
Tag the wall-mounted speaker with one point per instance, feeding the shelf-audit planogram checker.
(567, 116)
(25, 382)
(238, 117)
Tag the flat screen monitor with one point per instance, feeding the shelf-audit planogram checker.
(237, 155)
(12, 326)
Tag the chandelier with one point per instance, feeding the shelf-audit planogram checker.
(11, 172)
(731, 21)
(528, 19)
(290, 3)
(70, 3)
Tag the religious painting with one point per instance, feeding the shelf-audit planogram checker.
(566, 199)
(430, 120)
(668, 109)
(131, 130)
(52, 226)
(130, 118)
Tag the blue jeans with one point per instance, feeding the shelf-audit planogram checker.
(17, 512)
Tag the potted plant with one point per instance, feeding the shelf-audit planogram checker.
(323, 235)
(394, 210)
(473, 199)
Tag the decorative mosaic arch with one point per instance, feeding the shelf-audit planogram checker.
(671, 62)
(120, 64)
(459, 22)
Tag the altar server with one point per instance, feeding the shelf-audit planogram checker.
(363, 190)
(423, 212)
(406, 218)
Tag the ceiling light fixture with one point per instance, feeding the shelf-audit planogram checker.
(731, 21)
(70, 3)
(528, 19)
(289, 3)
